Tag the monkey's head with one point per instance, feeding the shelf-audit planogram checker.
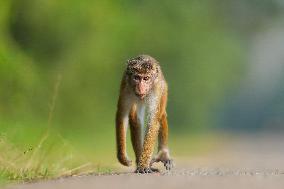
(142, 72)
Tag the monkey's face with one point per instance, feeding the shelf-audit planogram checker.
(141, 84)
(142, 72)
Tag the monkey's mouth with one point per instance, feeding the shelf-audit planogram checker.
(141, 96)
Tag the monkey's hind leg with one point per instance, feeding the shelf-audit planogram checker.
(135, 130)
(163, 150)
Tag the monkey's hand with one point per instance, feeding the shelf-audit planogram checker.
(164, 157)
(124, 160)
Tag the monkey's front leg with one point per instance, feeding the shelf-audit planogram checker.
(121, 126)
(121, 141)
(148, 148)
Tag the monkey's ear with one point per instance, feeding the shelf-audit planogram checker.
(157, 70)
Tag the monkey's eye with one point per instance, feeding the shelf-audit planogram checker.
(146, 78)
(136, 77)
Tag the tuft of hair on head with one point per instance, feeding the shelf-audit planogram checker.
(143, 64)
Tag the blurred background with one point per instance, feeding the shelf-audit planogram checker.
(61, 63)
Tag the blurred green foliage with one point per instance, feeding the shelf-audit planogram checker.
(88, 42)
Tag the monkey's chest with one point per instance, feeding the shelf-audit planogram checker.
(141, 110)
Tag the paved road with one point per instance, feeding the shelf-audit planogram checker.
(246, 162)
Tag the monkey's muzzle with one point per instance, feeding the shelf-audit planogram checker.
(140, 96)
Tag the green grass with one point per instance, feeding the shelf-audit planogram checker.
(51, 158)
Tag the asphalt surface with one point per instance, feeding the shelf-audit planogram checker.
(244, 162)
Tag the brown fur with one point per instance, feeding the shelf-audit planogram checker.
(157, 126)
(136, 135)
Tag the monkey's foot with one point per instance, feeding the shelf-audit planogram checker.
(164, 157)
(168, 163)
(146, 170)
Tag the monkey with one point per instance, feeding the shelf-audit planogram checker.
(143, 100)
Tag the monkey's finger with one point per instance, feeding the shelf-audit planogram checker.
(144, 170)
(169, 164)
(148, 170)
